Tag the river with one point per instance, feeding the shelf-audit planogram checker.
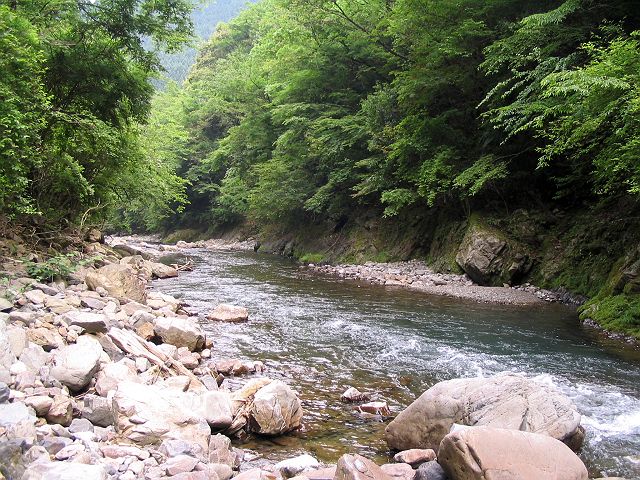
(321, 335)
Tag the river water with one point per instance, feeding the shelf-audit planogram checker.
(321, 335)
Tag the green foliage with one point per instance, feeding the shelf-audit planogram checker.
(23, 103)
(75, 86)
(312, 258)
(58, 266)
(617, 313)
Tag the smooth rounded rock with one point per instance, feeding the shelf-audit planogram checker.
(504, 401)
(481, 453)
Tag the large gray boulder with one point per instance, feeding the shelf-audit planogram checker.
(504, 401)
(485, 453)
(276, 409)
(76, 364)
(181, 332)
(489, 258)
(121, 281)
(148, 414)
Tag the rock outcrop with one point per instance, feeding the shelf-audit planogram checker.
(491, 259)
(504, 401)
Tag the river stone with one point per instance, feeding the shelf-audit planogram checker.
(181, 332)
(60, 411)
(34, 357)
(147, 415)
(40, 403)
(97, 410)
(75, 365)
(415, 456)
(352, 395)
(46, 338)
(228, 313)
(5, 304)
(90, 322)
(398, 471)
(119, 280)
(7, 358)
(35, 296)
(356, 467)
(172, 448)
(220, 450)
(217, 409)
(113, 373)
(13, 461)
(92, 303)
(293, 466)
(504, 401)
(276, 409)
(64, 471)
(5, 393)
(17, 337)
(430, 471)
(160, 270)
(26, 318)
(482, 453)
(14, 413)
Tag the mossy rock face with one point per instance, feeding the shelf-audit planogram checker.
(184, 235)
(490, 258)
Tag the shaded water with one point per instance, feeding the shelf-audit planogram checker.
(322, 335)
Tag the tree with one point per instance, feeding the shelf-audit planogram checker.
(89, 62)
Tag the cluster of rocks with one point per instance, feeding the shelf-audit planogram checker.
(102, 378)
(413, 273)
(106, 379)
(506, 427)
(417, 275)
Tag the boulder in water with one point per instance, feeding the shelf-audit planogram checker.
(228, 313)
(504, 401)
(276, 409)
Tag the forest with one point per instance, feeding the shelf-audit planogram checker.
(300, 112)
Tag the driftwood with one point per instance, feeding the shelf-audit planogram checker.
(184, 267)
(135, 345)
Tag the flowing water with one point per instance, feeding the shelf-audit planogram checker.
(321, 335)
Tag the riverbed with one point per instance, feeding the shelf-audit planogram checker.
(321, 335)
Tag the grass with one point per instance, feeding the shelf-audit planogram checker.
(312, 258)
(618, 313)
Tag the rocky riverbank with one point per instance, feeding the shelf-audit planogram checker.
(412, 274)
(104, 378)
(416, 275)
